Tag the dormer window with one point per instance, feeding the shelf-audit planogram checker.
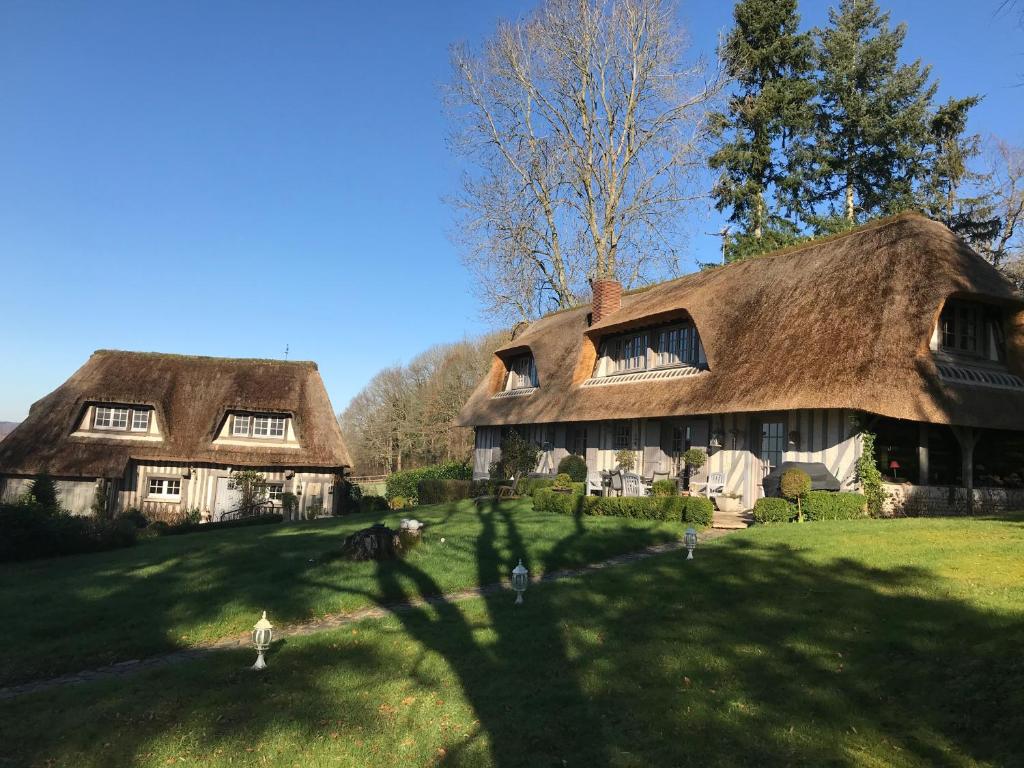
(971, 329)
(671, 346)
(261, 426)
(522, 373)
(118, 418)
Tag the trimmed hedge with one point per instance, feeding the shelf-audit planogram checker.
(818, 505)
(220, 525)
(406, 483)
(698, 510)
(772, 509)
(31, 531)
(695, 510)
(828, 505)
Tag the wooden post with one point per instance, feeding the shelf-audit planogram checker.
(967, 438)
(922, 453)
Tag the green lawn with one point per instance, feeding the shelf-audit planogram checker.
(72, 613)
(866, 643)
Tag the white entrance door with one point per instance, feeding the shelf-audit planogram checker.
(228, 498)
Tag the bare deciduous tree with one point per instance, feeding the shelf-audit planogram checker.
(584, 127)
(1007, 203)
(404, 416)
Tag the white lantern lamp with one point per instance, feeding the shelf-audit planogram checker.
(520, 577)
(690, 540)
(262, 635)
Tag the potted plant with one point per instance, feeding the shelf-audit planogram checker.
(626, 459)
(562, 484)
(694, 459)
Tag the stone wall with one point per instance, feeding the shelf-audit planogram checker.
(924, 500)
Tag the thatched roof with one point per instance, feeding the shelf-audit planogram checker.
(191, 397)
(843, 322)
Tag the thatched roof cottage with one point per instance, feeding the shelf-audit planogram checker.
(163, 432)
(897, 326)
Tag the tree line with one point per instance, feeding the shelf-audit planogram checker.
(403, 418)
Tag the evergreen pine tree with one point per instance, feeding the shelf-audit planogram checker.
(770, 61)
(872, 133)
(970, 216)
(44, 491)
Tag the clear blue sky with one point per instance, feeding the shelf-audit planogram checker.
(227, 178)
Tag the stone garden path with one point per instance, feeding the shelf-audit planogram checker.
(334, 621)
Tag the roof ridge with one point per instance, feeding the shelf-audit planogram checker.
(783, 251)
(210, 358)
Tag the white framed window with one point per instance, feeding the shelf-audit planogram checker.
(140, 421)
(164, 487)
(268, 426)
(240, 427)
(111, 418)
(275, 491)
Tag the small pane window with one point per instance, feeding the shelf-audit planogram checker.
(241, 426)
(111, 418)
(162, 486)
(140, 421)
(623, 435)
(630, 354)
(521, 373)
(276, 426)
(261, 426)
(275, 491)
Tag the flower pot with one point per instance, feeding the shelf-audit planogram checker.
(729, 504)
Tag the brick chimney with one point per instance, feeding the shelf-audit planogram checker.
(607, 298)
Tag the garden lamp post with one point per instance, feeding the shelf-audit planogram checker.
(262, 634)
(690, 540)
(520, 576)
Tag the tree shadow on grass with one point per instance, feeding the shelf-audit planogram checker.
(751, 654)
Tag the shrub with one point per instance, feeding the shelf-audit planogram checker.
(398, 502)
(562, 482)
(638, 507)
(373, 504)
(869, 477)
(575, 467)
(406, 483)
(519, 457)
(349, 496)
(549, 500)
(698, 510)
(44, 491)
(828, 505)
(665, 488)
(528, 486)
(794, 485)
(772, 509)
(289, 504)
(135, 516)
(433, 491)
(31, 530)
(243, 522)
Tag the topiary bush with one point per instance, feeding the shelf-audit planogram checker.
(829, 505)
(773, 510)
(562, 482)
(519, 457)
(575, 467)
(665, 488)
(794, 485)
(698, 510)
(406, 483)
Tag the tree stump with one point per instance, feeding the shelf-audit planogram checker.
(378, 542)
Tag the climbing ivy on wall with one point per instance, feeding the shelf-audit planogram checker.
(868, 476)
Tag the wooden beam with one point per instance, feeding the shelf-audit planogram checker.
(968, 439)
(922, 454)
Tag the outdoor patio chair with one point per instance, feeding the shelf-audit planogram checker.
(616, 482)
(631, 485)
(714, 485)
